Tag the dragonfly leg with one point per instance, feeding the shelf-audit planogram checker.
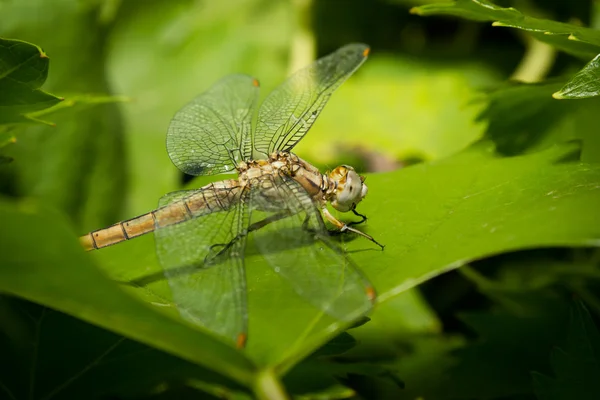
(214, 254)
(307, 228)
(272, 218)
(185, 270)
(363, 218)
(211, 256)
(343, 227)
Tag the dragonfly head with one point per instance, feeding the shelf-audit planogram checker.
(350, 189)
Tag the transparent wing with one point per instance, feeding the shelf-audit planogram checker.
(290, 110)
(203, 262)
(295, 244)
(211, 134)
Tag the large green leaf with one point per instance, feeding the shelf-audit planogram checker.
(440, 216)
(23, 70)
(581, 41)
(432, 218)
(474, 205)
(42, 262)
(436, 217)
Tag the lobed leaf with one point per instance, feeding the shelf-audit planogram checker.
(79, 163)
(432, 218)
(581, 41)
(23, 70)
(524, 118)
(439, 216)
(585, 83)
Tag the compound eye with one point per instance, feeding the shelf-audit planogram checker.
(349, 192)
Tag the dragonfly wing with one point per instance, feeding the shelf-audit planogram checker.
(298, 248)
(211, 134)
(290, 110)
(203, 261)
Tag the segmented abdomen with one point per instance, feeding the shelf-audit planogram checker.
(214, 197)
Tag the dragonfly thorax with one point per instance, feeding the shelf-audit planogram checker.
(287, 163)
(343, 187)
(350, 188)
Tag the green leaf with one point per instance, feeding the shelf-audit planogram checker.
(75, 166)
(23, 70)
(508, 346)
(401, 340)
(78, 164)
(42, 262)
(522, 273)
(48, 354)
(525, 118)
(585, 83)
(432, 217)
(423, 363)
(584, 42)
(79, 103)
(577, 367)
(403, 317)
(336, 346)
(6, 138)
(439, 216)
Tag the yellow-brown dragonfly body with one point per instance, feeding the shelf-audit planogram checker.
(223, 194)
(277, 197)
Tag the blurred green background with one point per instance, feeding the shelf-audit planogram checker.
(102, 163)
(431, 89)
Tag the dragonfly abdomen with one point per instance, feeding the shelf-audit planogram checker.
(118, 232)
(218, 196)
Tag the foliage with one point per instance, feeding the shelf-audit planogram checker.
(583, 84)
(581, 41)
(577, 366)
(486, 241)
(568, 37)
(23, 71)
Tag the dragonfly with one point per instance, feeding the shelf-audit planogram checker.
(278, 198)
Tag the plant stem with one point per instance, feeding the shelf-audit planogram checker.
(302, 50)
(268, 387)
(536, 62)
(595, 14)
(474, 276)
